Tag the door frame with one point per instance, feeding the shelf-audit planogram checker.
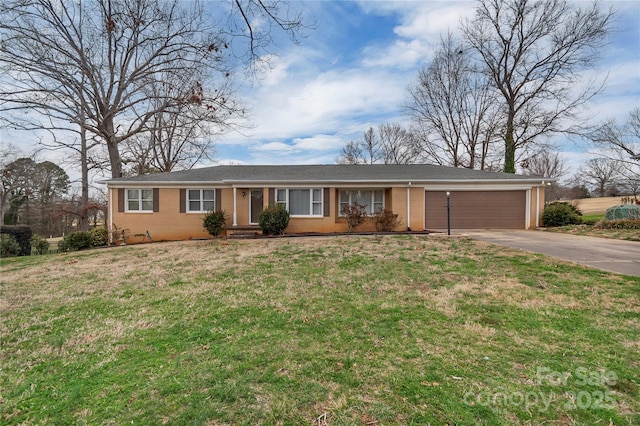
(251, 191)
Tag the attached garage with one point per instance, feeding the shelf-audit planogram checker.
(476, 209)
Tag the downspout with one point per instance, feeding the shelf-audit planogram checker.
(537, 206)
(409, 207)
(110, 216)
(527, 216)
(235, 216)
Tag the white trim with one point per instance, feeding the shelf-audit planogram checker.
(311, 200)
(201, 199)
(251, 202)
(527, 216)
(329, 183)
(452, 188)
(537, 207)
(111, 216)
(373, 197)
(140, 199)
(409, 206)
(235, 206)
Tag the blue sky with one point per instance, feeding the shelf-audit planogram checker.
(352, 72)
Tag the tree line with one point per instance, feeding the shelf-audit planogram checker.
(494, 95)
(132, 86)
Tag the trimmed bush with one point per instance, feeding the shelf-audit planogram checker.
(214, 222)
(624, 211)
(9, 247)
(561, 214)
(39, 244)
(22, 234)
(274, 220)
(99, 236)
(76, 241)
(385, 220)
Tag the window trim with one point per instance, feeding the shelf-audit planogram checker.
(373, 198)
(201, 200)
(285, 203)
(139, 200)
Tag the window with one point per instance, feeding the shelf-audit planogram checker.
(301, 202)
(139, 200)
(373, 200)
(201, 200)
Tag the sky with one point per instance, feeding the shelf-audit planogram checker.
(352, 71)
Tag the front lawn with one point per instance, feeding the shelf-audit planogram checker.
(311, 331)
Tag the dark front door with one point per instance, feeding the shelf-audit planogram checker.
(255, 205)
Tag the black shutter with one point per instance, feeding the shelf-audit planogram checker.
(120, 200)
(183, 200)
(327, 206)
(272, 196)
(156, 200)
(218, 200)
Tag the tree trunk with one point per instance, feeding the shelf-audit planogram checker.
(112, 148)
(509, 145)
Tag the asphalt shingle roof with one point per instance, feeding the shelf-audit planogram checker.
(324, 173)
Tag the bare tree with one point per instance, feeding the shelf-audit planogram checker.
(390, 144)
(547, 164)
(180, 136)
(533, 52)
(452, 105)
(92, 63)
(601, 173)
(621, 143)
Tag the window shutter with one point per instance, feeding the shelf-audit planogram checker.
(156, 200)
(218, 200)
(183, 200)
(325, 199)
(272, 196)
(120, 200)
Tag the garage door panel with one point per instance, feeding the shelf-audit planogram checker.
(476, 209)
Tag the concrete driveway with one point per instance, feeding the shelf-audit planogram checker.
(621, 257)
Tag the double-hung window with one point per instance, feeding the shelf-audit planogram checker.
(201, 200)
(372, 199)
(301, 201)
(139, 200)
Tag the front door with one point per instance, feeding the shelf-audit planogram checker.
(255, 205)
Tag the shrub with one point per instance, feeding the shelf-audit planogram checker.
(76, 241)
(624, 211)
(99, 236)
(22, 235)
(274, 220)
(355, 213)
(39, 244)
(385, 220)
(214, 222)
(561, 214)
(619, 224)
(8, 245)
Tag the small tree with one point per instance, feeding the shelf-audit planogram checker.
(274, 220)
(355, 213)
(214, 222)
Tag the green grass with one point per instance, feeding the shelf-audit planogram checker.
(364, 330)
